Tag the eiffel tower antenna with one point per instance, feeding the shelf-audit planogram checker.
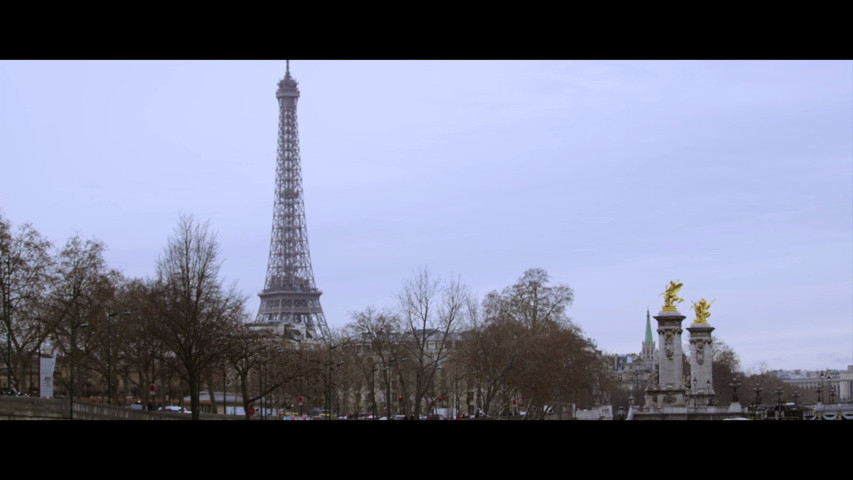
(290, 298)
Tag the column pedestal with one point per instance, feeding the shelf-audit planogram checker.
(666, 388)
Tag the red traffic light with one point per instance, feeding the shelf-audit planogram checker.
(399, 397)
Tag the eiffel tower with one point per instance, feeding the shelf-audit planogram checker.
(290, 299)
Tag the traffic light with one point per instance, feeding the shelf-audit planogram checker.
(400, 398)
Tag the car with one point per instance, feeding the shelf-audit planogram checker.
(174, 408)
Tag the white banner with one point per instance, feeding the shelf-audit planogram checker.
(46, 366)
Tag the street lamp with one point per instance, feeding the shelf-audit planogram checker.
(388, 377)
(373, 387)
(820, 389)
(831, 388)
(734, 384)
(456, 411)
(329, 378)
(224, 387)
(110, 353)
(72, 389)
(7, 322)
(757, 389)
(388, 403)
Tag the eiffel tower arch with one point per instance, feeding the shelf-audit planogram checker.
(290, 301)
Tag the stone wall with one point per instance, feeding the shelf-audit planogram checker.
(25, 408)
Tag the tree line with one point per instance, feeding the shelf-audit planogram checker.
(437, 347)
(514, 352)
(109, 330)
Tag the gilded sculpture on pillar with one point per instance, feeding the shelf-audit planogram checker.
(701, 308)
(670, 296)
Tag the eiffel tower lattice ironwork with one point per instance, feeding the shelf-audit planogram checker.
(290, 296)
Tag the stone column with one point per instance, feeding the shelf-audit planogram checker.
(701, 380)
(667, 385)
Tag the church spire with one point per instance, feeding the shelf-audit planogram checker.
(648, 354)
(649, 338)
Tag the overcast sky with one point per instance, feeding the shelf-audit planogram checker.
(734, 177)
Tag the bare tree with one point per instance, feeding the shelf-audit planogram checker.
(377, 333)
(429, 310)
(726, 364)
(137, 348)
(531, 301)
(522, 351)
(82, 289)
(194, 311)
(26, 274)
(272, 362)
(490, 352)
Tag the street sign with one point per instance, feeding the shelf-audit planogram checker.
(152, 388)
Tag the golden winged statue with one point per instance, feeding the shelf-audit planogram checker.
(670, 296)
(701, 308)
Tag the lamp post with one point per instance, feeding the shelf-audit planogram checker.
(757, 389)
(388, 402)
(7, 322)
(337, 397)
(388, 377)
(820, 389)
(734, 384)
(831, 388)
(224, 390)
(261, 388)
(373, 388)
(456, 410)
(329, 380)
(110, 353)
(72, 388)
